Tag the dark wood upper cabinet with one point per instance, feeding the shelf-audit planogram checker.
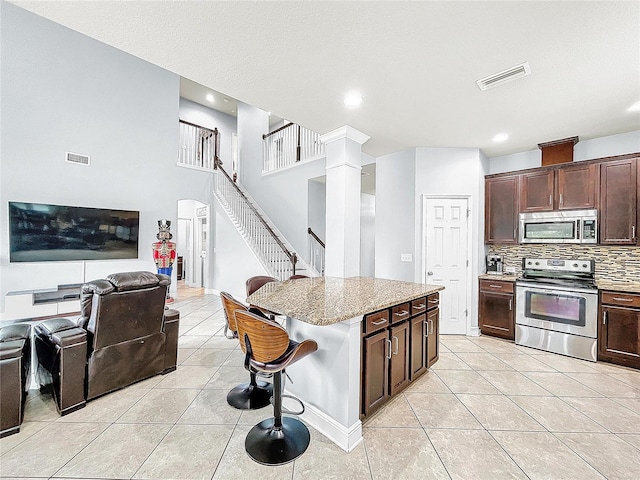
(501, 209)
(536, 191)
(577, 187)
(618, 202)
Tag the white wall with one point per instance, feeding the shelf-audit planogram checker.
(210, 118)
(283, 195)
(583, 150)
(233, 261)
(395, 215)
(62, 91)
(367, 235)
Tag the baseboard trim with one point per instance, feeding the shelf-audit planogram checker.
(346, 438)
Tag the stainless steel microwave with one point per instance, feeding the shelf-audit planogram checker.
(570, 226)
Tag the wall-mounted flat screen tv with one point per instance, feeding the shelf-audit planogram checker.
(46, 233)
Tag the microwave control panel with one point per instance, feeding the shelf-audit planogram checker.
(588, 229)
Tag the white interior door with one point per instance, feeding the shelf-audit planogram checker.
(447, 258)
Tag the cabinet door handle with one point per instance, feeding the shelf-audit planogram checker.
(388, 355)
(495, 286)
(510, 304)
(550, 199)
(397, 345)
(402, 313)
(633, 231)
(620, 299)
(426, 329)
(604, 318)
(431, 322)
(421, 306)
(380, 322)
(560, 199)
(435, 302)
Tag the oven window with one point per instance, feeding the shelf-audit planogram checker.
(554, 307)
(550, 230)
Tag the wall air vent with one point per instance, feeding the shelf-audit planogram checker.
(77, 158)
(504, 76)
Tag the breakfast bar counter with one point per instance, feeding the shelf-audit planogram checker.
(330, 311)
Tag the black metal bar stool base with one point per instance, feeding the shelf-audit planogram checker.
(271, 446)
(248, 397)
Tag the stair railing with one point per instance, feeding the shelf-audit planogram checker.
(316, 254)
(198, 146)
(288, 145)
(280, 260)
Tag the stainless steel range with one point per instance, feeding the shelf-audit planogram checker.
(557, 306)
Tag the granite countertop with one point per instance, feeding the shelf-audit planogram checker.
(618, 286)
(504, 277)
(329, 300)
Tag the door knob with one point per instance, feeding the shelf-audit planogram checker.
(429, 273)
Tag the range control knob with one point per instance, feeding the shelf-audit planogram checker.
(537, 263)
(575, 265)
(528, 263)
(584, 265)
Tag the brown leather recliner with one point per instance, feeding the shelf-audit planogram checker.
(124, 335)
(15, 360)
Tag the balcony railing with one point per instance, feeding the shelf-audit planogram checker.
(198, 146)
(289, 145)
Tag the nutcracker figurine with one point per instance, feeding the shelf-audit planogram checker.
(164, 251)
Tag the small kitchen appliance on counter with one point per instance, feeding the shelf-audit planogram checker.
(494, 265)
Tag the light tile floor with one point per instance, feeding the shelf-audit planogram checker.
(487, 410)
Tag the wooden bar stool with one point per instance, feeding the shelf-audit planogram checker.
(246, 396)
(269, 349)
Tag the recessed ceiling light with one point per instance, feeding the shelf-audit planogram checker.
(634, 108)
(501, 137)
(210, 97)
(352, 99)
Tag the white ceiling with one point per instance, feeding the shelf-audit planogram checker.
(415, 63)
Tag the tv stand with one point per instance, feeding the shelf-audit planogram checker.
(40, 304)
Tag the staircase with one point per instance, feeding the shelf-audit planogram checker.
(276, 255)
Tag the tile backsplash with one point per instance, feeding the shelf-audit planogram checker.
(616, 264)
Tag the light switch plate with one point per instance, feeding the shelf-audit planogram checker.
(406, 257)
(510, 269)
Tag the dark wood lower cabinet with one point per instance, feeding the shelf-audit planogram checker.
(619, 329)
(376, 368)
(419, 332)
(395, 355)
(496, 313)
(433, 322)
(399, 362)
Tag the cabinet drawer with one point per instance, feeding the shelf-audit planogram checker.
(496, 286)
(621, 299)
(418, 306)
(376, 321)
(433, 301)
(400, 312)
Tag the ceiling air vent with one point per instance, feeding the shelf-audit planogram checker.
(504, 76)
(78, 158)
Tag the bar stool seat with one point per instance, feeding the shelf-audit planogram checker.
(246, 396)
(269, 349)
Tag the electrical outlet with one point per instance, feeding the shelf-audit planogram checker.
(406, 257)
(510, 269)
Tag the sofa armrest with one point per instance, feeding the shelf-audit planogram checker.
(171, 330)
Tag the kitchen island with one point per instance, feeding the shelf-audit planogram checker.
(330, 311)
